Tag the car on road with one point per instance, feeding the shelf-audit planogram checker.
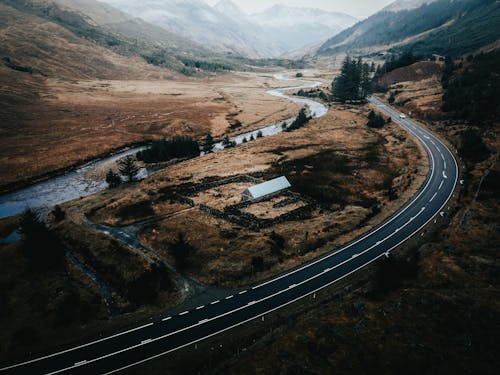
(402, 115)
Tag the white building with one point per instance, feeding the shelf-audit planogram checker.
(265, 189)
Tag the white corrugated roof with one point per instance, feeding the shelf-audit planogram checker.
(269, 187)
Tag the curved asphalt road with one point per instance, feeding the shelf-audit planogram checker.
(130, 348)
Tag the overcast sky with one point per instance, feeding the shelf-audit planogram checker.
(356, 8)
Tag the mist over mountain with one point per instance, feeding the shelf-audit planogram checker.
(197, 21)
(225, 27)
(298, 27)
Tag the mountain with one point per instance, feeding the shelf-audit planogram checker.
(453, 27)
(197, 21)
(48, 48)
(230, 9)
(400, 5)
(297, 27)
(116, 31)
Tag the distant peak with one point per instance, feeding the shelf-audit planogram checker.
(229, 7)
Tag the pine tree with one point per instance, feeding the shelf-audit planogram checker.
(113, 179)
(366, 82)
(128, 167)
(209, 144)
(353, 83)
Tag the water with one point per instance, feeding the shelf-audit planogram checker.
(76, 184)
(59, 189)
(316, 109)
(14, 236)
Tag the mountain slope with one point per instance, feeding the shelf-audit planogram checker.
(297, 27)
(49, 49)
(199, 22)
(115, 30)
(428, 27)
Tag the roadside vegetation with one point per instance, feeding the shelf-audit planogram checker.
(472, 87)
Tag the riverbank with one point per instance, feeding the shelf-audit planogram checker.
(76, 183)
(57, 130)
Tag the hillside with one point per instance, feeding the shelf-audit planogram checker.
(197, 21)
(454, 27)
(116, 31)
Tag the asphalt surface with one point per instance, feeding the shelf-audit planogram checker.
(131, 348)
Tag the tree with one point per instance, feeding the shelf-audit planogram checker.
(168, 149)
(366, 81)
(181, 250)
(227, 143)
(245, 140)
(259, 134)
(128, 167)
(392, 98)
(58, 213)
(301, 120)
(209, 144)
(353, 83)
(113, 179)
(41, 246)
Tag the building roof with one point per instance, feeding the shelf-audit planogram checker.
(269, 187)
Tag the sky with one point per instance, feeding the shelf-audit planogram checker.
(357, 8)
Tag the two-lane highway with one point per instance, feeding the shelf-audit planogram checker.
(130, 348)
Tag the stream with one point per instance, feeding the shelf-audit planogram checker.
(76, 184)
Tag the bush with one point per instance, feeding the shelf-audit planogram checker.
(301, 120)
(375, 120)
(228, 143)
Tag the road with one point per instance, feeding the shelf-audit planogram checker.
(131, 348)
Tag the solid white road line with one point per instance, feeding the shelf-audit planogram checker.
(77, 347)
(135, 329)
(398, 214)
(281, 306)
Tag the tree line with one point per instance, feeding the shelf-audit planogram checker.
(354, 82)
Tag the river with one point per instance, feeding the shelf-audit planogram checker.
(75, 184)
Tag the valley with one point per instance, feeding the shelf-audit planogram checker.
(222, 187)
